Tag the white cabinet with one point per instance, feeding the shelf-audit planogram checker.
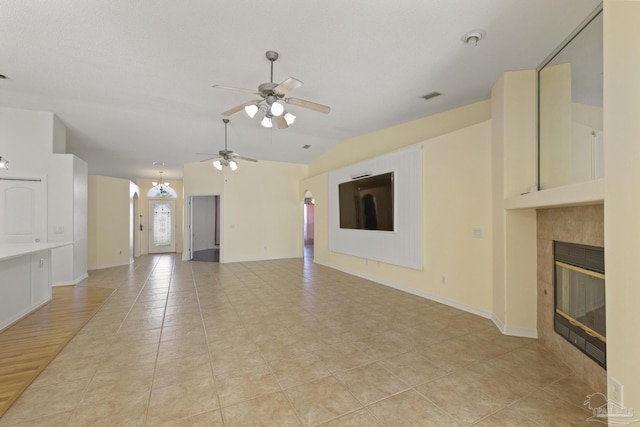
(25, 279)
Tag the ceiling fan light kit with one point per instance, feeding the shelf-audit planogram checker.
(272, 95)
(277, 109)
(266, 121)
(251, 110)
(289, 118)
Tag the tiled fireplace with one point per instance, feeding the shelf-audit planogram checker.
(582, 225)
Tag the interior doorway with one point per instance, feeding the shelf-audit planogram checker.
(308, 221)
(205, 228)
(162, 226)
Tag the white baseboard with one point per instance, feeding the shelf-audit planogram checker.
(426, 295)
(227, 261)
(516, 332)
(73, 282)
(519, 332)
(497, 322)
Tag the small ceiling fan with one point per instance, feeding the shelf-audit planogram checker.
(272, 95)
(226, 157)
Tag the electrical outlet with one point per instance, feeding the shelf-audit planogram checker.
(615, 391)
(443, 279)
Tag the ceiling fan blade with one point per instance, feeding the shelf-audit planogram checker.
(210, 158)
(287, 85)
(308, 104)
(281, 122)
(238, 108)
(239, 89)
(249, 159)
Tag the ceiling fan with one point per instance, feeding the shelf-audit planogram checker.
(226, 157)
(270, 104)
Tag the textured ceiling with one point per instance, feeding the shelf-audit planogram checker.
(132, 80)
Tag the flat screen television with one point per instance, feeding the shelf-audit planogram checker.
(367, 203)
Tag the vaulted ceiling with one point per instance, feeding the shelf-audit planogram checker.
(131, 80)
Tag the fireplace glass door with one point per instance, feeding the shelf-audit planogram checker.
(580, 298)
(580, 315)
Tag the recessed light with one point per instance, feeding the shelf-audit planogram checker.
(159, 164)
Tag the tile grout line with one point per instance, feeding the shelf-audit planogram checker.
(206, 339)
(75, 408)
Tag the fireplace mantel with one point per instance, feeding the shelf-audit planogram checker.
(580, 194)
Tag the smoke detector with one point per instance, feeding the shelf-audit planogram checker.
(473, 37)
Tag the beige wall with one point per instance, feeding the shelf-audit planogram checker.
(109, 222)
(514, 172)
(622, 203)
(555, 126)
(456, 199)
(383, 141)
(261, 207)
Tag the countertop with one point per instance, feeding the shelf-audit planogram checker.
(12, 250)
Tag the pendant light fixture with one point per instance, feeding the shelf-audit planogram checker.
(161, 186)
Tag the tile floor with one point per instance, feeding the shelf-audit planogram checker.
(289, 343)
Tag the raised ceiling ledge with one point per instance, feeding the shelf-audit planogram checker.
(583, 193)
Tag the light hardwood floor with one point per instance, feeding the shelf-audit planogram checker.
(29, 345)
(292, 343)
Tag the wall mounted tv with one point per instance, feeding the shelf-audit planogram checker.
(367, 203)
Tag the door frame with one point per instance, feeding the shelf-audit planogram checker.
(187, 252)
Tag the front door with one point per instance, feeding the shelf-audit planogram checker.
(162, 235)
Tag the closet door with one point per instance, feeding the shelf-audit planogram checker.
(22, 211)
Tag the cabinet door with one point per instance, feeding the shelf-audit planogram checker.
(22, 210)
(15, 293)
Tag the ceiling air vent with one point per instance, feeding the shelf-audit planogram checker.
(306, 147)
(430, 95)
